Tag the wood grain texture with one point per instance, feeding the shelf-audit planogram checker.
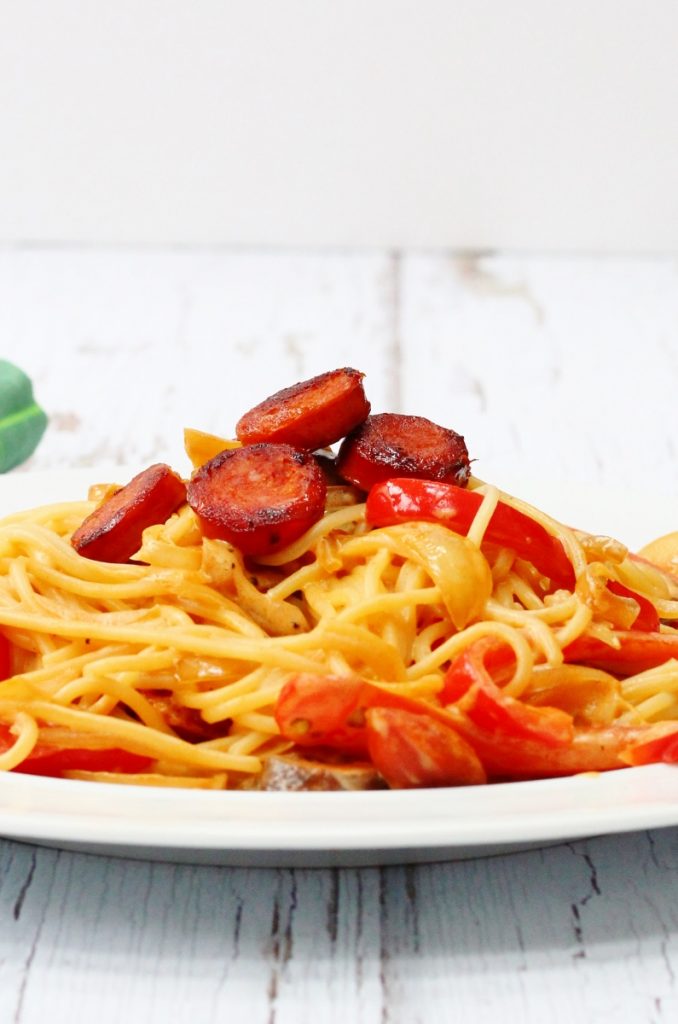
(128, 347)
(567, 360)
(585, 931)
(558, 367)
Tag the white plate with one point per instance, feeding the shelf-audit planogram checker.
(285, 829)
(307, 829)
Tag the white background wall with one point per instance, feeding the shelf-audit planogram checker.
(465, 123)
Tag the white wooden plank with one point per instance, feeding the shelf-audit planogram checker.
(577, 932)
(560, 368)
(124, 939)
(128, 347)
(27, 877)
(585, 931)
(321, 971)
(102, 938)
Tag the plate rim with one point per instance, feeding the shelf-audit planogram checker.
(54, 811)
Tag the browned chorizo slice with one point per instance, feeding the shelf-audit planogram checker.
(291, 773)
(390, 445)
(112, 533)
(311, 414)
(259, 498)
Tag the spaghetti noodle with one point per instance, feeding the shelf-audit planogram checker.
(169, 669)
(95, 644)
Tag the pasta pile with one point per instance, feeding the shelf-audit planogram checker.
(180, 656)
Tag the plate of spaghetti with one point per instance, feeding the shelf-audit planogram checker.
(296, 654)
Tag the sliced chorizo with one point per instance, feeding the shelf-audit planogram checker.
(388, 445)
(113, 532)
(311, 414)
(260, 497)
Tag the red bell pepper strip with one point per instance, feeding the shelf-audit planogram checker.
(637, 652)
(410, 750)
(513, 743)
(46, 759)
(470, 687)
(591, 750)
(402, 500)
(647, 618)
(5, 657)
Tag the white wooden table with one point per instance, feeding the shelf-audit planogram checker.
(562, 369)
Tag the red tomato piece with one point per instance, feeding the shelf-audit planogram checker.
(412, 750)
(324, 711)
(330, 711)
